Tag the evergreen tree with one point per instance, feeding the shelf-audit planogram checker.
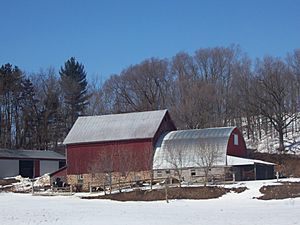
(10, 89)
(74, 87)
(29, 135)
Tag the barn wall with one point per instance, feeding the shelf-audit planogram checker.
(62, 174)
(47, 166)
(133, 155)
(236, 150)
(9, 168)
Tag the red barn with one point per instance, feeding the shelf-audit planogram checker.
(115, 143)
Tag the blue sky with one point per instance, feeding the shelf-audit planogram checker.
(108, 36)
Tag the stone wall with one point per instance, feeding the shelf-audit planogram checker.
(116, 180)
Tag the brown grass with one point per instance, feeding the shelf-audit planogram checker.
(286, 190)
(173, 193)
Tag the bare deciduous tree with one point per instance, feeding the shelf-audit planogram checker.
(205, 156)
(272, 95)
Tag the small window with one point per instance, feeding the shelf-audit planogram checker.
(167, 171)
(159, 174)
(193, 172)
(235, 139)
(80, 177)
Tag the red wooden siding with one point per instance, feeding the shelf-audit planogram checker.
(236, 150)
(37, 168)
(119, 156)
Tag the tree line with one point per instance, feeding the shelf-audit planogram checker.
(218, 86)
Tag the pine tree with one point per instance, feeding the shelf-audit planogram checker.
(10, 89)
(30, 118)
(74, 86)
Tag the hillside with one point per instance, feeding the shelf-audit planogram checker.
(266, 140)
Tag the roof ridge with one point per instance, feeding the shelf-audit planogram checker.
(125, 113)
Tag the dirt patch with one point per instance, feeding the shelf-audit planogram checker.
(173, 193)
(4, 182)
(239, 189)
(286, 190)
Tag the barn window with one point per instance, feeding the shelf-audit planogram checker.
(235, 139)
(159, 174)
(193, 172)
(80, 177)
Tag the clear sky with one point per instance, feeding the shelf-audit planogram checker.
(108, 36)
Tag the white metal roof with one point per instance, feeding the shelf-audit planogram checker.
(238, 161)
(126, 126)
(187, 144)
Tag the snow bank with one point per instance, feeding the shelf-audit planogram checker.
(24, 184)
(231, 209)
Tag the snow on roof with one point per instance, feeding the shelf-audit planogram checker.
(238, 161)
(126, 126)
(187, 142)
(30, 154)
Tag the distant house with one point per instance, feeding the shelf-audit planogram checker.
(29, 163)
(113, 145)
(183, 148)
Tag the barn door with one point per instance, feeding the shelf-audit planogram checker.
(26, 168)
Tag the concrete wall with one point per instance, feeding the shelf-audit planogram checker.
(190, 174)
(48, 166)
(9, 168)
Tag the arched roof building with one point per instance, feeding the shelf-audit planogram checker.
(217, 149)
(184, 145)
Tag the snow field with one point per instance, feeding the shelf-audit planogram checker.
(232, 208)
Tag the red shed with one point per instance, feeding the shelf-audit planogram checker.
(114, 143)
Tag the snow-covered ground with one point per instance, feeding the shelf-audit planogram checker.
(233, 208)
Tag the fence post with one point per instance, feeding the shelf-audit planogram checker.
(166, 191)
(32, 189)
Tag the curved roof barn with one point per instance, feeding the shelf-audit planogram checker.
(183, 144)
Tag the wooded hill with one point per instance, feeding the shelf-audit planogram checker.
(218, 86)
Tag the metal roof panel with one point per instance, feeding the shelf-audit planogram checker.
(126, 126)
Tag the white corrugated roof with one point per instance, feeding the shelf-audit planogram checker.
(126, 126)
(187, 142)
(238, 161)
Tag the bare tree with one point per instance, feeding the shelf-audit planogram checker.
(141, 87)
(205, 156)
(192, 97)
(177, 156)
(272, 95)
